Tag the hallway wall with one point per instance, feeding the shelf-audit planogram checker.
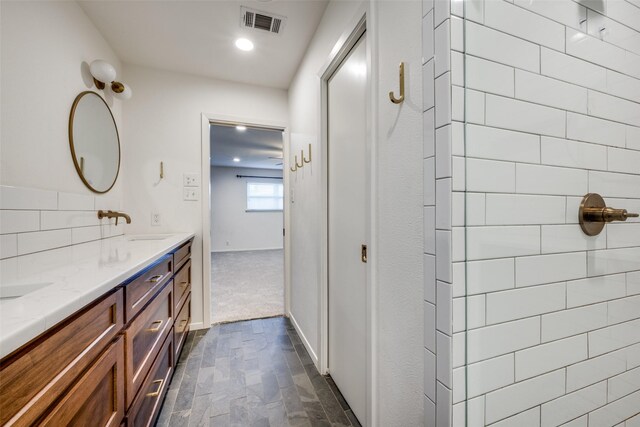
(164, 119)
(232, 227)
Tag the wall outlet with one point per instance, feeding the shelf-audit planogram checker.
(155, 219)
(190, 193)
(191, 180)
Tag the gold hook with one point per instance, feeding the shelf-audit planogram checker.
(296, 163)
(301, 159)
(307, 160)
(392, 97)
(161, 170)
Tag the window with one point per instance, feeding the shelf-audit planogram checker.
(265, 196)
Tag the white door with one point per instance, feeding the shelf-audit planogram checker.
(348, 219)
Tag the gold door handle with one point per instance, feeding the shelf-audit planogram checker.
(157, 328)
(155, 279)
(183, 284)
(363, 253)
(157, 392)
(594, 214)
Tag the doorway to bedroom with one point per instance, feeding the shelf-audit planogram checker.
(247, 222)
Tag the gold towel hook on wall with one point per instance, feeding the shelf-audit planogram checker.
(296, 163)
(305, 160)
(301, 160)
(392, 97)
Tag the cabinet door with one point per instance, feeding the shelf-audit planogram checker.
(181, 328)
(146, 407)
(181, 285)
(97, 399)
(33, 378)
(143, 288)
(145, 336)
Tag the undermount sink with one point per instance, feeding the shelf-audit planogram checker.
(133, 238)
(17, 291)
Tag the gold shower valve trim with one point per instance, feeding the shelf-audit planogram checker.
(594, 214)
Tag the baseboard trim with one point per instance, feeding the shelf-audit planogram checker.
(197, 325)
(312, 353)
(245, 250)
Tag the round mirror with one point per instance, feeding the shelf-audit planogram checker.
(95, 145)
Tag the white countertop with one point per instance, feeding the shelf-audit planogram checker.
(62, 281)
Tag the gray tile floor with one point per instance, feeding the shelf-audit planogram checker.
(251, 373)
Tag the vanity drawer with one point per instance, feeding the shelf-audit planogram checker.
(38, 374)
(141, 290)
(145, 336)
(97, 399)
(146, 407)
(181, 285)
(181, 327)
(182, 253)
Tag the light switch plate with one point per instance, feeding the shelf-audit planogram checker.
(191, 180)
(190, 193)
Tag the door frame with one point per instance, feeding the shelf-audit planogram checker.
(361, 24)
(206, 120)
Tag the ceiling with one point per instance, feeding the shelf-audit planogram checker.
(197, 37)
(253, 146)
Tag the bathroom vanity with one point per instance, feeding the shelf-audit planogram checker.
(99, 343)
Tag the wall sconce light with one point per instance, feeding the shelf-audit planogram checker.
(103, 73)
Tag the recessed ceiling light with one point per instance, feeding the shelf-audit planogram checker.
(241, 128)
(244, 44)
(236, 159)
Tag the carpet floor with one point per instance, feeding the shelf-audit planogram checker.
(247, 285)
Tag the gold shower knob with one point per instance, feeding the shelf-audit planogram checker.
(594, 214)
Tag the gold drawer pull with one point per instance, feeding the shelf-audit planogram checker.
(157, 392)
(183, 322)
(156, 278)
(183, 284)
(157, 328)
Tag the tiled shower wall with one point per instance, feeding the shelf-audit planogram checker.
(34, 220)
(552, 317)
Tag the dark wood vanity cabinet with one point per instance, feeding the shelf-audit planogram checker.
(109, 364)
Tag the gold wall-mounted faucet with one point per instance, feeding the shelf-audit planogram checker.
(114, 214)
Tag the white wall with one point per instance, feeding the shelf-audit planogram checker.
(232, 227)
(163, 118)
(398, 352)
(304, 110)
(44, 46)
(552, 315)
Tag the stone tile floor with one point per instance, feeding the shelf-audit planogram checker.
(251, 373)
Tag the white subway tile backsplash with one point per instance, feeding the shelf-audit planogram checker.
(489, 76)
(429, 263)
(27, 198)
(524, 116)
(474, 106)
(430, 374)
(573, 322)
(442, 48)
(429, 181)
(51, 220)
(609, 184)
(573, 154)
(621, 160)
(443, 99)
(428, 87)
(444, 304)
(445, 400)
(443, 255)
(611, 261)
(623, 235)
(595, 289)
(14, 221)
(610, 31)
(547, 91)
(530, 418)
(489, 375)
(43, 240)
(524, 24)
(495, 340)
(569, 238)
(534, 179)
(615, 412)
(502, 241)
(623, 86)
(520, 303)
(443, 360)
(633, 137)
(443, 152)
(573, 70)
(566, 12)
(591, 129)
(574, 404)
(625, 12)
(594, 370)
(614, 337)
(612, 108)
(521, 396)
(85, 234)
(8, 245)
(523, 209)
(490, 275)
(75, 202)
(500, 47)
(548, 357)
(429, 133)
(499, 144)
(443, 204)
(540, 269)
(624, 384)
(427, 37)
(475, 205)
(490, 176)
(429, 218)
(624, 309)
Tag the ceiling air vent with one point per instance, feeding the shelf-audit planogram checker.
(252, 18)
